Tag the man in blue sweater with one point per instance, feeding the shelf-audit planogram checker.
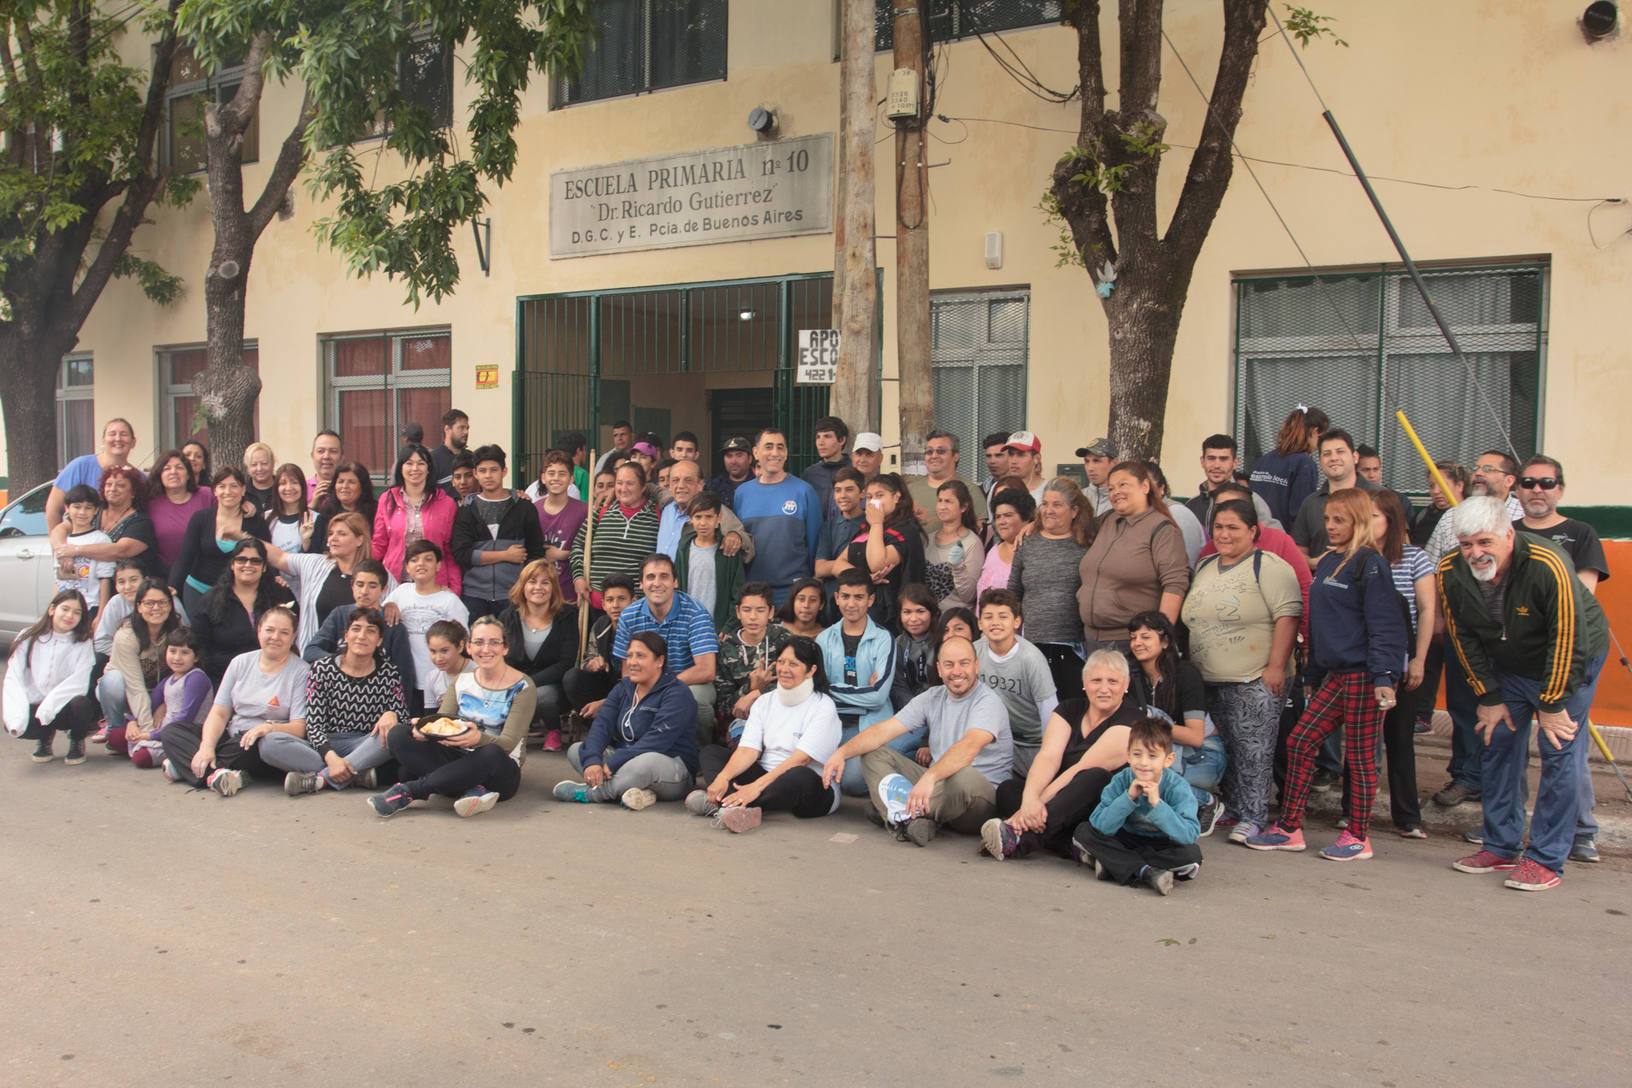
(783, 514)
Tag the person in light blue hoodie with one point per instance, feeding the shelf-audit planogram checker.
(860, 659)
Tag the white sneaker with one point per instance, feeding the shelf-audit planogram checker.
(637, 799)
(893, 790)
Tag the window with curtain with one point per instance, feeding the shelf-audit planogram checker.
(178, 367)
(378, 383)
(1359, 345)
(76, 408)
(647, 45)
(978, 349)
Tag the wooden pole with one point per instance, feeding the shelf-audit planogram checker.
(855, 276)
(589, 539)
(912, 245)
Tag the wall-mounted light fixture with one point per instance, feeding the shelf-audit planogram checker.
(762, 119)
(1599, 20)
(745, 315)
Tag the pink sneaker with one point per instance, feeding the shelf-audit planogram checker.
(1484, 862)
(1347, 848)
(1532, 876)
(552, 740)
(1276, 837)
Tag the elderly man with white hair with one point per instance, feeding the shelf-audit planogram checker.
(1531, 641)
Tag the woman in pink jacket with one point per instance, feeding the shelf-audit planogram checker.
(413, 510)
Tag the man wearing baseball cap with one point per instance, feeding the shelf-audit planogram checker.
(1098, 458)
(738, 457)
(867, 455)
(1026, 461)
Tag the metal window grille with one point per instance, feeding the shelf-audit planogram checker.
(978, 349)
(1358, 345)
(647, 45)
(950, 20)
(178, 366)
(379, 382)
(76, 408)
(584, 361)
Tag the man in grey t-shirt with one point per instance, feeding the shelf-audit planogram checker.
(1017, 672)
(971, 751)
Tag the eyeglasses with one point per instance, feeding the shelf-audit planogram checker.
(248, 561)
(1490, 470)
(486, 643)
(1543, 483)
(154, 602)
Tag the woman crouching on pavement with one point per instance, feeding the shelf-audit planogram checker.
(791, 732)
(481, 765)
(642, 747)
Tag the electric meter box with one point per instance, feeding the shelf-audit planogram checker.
(902, 103)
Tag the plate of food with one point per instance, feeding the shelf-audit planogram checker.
(444, 728)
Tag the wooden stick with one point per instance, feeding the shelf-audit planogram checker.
(589, 537)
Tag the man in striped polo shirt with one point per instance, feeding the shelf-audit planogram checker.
(685, 625)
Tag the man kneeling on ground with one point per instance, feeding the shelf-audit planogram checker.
(971, 754)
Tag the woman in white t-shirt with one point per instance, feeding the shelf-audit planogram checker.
(792, 730)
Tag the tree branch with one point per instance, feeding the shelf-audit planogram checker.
(1134, 203)
(291, 157)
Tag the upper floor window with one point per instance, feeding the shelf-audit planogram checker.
(646, 45)
(76, 408)
(192, 87)
(953, 19)
(425, 78)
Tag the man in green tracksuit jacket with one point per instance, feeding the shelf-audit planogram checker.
(1531, 640)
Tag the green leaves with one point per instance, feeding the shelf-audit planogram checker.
(1306, 25)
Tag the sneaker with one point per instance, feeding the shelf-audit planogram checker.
(170, 772)
(1187, 872)
(1419, 727)
(1484, 862)
(1347, 848)
(76, 751)
(476, 800)
(1454, 795)
(740, 818)
(1079, 851)
(636, 799)
(1207, 816)
(365, 779)
(1586, 850)
(101, 734)
(42, 750)
(1276, 837)
(1229, 819)
(698, 804)
(1412, 833)
(391, 802)
(552, 741)
(1243, 831)
(1531, 876)
(226, 781)
(1324, 781)
(1157, 880)
(1474, 835)
(296, 783)
(921, 830)
(1100, 872)
(893, 790)
(999, 839)
(568, 790)
(1341, 823)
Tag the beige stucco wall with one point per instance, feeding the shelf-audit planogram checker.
(1508, 98)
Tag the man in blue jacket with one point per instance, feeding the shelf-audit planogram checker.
(783, 514)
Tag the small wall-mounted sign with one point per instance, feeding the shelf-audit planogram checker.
(818, 356)
(487, 377)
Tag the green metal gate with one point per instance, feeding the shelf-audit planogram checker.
(584, 360)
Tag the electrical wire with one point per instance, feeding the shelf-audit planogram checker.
(1021, 73)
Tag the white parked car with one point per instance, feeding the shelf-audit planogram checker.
(27, 572)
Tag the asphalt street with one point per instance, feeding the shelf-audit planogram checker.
(160, 935)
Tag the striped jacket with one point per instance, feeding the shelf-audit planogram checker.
(621, 543)
(1550, 626)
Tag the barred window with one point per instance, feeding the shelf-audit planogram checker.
(1358, 345)
(647, 45)
(978, 348)
(950, 20)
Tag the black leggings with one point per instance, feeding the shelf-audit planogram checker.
(1073, 804)
(1065, 666)
(583, 687)
(181, 742)
(429, 766)
(799, 791)
(77, 717)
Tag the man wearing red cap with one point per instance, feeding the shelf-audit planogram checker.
(1026, 461)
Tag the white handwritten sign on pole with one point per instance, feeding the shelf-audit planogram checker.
(818, 356)
(762, 190)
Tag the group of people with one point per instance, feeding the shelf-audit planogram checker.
(1094, 670)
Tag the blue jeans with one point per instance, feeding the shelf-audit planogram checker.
(852, 784)
(1203, 767)
(110, 692)
(1553, 821)
(1586, 824)
(1467, 750)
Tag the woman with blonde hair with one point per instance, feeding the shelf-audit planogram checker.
(1046, 574)
(1357, 630)
(542, 630)
(260, 478)
(325, 579)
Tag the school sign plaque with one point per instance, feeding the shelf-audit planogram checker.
(773, 189)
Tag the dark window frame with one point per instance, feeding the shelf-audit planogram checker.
(572, 91)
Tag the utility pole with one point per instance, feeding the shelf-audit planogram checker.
(912, 243)
(855, 278)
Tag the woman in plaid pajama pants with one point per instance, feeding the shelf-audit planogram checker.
(1357, 628)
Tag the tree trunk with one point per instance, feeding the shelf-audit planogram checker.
(912, 247)
(29, 359)
(1143, 325)
(855, 280)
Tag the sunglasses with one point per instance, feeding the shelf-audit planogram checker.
(1544, 483)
